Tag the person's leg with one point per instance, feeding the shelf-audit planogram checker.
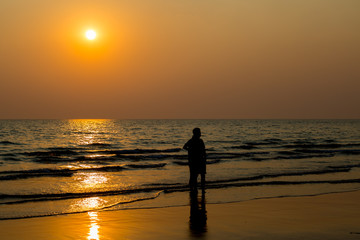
(203, 181)
(193, 180)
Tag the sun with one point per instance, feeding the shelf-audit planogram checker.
(90, 34)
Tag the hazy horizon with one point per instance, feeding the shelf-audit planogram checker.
(264, 59)
(185, 119)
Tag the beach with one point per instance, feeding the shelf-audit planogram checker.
(128, 179)
(328, 216)
(91, 165)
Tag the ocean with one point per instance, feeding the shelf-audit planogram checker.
(54, 167)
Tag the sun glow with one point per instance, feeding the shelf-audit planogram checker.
(90, 34)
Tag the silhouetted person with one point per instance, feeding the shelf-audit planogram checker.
(197, 159)
(198, 217)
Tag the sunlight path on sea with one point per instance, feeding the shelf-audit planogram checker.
(94, 227)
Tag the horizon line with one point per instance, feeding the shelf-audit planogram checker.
(179, 118)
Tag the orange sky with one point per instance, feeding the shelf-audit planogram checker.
(180, 59)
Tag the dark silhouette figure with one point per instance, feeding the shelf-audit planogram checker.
(198, 215)
(197, 159)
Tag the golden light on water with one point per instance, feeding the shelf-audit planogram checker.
(92, 203)
(91, 180)
(88, 130)
(94, 227)
(88, 204)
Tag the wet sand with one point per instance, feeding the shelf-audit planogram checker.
(330, 216)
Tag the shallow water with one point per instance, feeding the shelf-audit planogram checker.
(50, 167)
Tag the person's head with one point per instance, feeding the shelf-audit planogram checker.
(197, 132)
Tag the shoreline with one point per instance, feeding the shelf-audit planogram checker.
(326, 216)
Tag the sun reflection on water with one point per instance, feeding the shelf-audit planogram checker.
(88, 204)
(91, 203)
(88, 131)
(94, 227)
(90, 180)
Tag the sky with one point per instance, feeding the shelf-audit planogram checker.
(162, 59)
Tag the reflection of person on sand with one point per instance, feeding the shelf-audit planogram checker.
(197, 159)
(198, 216)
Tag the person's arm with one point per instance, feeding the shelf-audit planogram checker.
(186, 146)
(203, 148)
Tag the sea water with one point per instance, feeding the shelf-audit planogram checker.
(51, 167)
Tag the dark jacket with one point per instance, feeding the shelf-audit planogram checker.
(196, 155)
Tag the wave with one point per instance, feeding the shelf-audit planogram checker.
(9, 143)
(24, 198)
(340, 151)
(52, 172)
(299, 156)
(101, 158)
(298, 144)
(100, 145)
(345, 166)
(8, 154)
(235, 155)
(182, 163)
(44, 172)
(102, 169)
(264, 142)
(246, 147)
(167, 188)
(142, 151)
(223, 141)
(53, 152)
(76, 151)
(299, 173)
(107, 156)
(11, 159)
(103, 152)
(138, 157)
(32, 175)
(173, 187)
(107, 207)
(56, 155)
(267, 141)
(142, 166)
(275, 183)
(185, 163)
(49, 172)
(321, 145)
